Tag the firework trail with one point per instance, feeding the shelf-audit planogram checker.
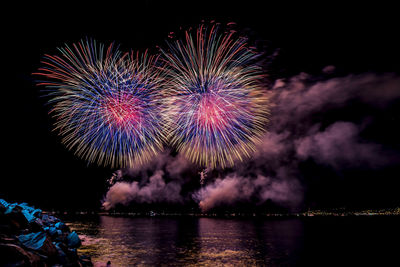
(203, 175)
(107, 104)
(217, 109)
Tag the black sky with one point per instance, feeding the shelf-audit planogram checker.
(39, 170)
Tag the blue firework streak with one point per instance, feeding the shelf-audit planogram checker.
(107, 104)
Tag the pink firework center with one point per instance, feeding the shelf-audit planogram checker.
(123, 112)
(213, 112)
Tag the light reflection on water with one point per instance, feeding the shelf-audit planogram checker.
(188, 241)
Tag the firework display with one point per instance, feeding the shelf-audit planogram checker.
(217, 108)
(106, 103)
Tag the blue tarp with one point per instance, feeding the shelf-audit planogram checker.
(30, 213)
(33, 240)
(4, 203)
(59, 225)
(10, 208)
(51, 230)
(54, 227)
(73, 240)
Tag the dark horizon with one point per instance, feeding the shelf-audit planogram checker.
(356, 40)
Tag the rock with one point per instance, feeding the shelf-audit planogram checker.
(40, 243)
(49, 220)
(62, 256)
(49, 249)
(13, 255)
(7, 239)
(2, 208)
(14, 219)
(68, 256)
(86, 261)
(29, 237)
(33, 240)
(36, 225)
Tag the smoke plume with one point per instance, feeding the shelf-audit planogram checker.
(330, 121)
(156, 190)
(234, 189)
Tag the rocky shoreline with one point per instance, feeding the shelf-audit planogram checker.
(31, 237)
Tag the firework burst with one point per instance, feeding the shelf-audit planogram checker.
(106, 104)
(217, 107)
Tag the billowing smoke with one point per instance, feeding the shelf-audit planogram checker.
(339, 146)
(149, 189)
(330, 121)
(156, 190)
(325, 120)
(233, 189)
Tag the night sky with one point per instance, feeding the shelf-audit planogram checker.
(355, 39)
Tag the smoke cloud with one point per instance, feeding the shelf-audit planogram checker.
(340, 147)
(156, 190)
(321, 119)
(233, 189)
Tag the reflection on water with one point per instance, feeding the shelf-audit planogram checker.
(187, 241)
(230, 242)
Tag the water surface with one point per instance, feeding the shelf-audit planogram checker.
(189, 241)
